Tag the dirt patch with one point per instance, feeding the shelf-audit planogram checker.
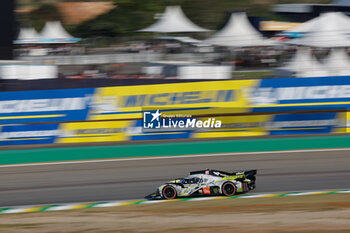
(309, 214)
(87, 10)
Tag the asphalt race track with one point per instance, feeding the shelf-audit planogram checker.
(277, 172)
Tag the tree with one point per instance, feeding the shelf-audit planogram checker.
(46, 12)
(125, 19)
(131, 15)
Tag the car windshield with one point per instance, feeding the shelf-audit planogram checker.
(191, 180)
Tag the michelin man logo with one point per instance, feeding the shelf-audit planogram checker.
(151, 120)
(260, 95)
(105, 104)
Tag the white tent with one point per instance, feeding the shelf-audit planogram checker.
(54, 30)
(27, 35)
(338, 20)
(327, 31)
(338, 63)
(173, 20)
(303, 64)
(238, 32)
(324, 37)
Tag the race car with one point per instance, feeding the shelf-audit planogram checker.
(207, 182)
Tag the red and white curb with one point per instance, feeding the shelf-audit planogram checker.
(87, 205)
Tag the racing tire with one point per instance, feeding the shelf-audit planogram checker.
(228, 189)
(169, 192)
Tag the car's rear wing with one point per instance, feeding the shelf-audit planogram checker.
(249, 173)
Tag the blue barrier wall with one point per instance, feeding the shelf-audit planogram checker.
(60, 116)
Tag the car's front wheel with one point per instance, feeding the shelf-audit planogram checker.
(169, 192)
(228, 189)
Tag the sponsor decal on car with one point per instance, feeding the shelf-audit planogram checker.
(206, 190)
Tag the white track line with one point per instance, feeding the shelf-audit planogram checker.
(171, 157)
(81, 205)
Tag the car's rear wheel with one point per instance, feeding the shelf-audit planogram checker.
(169, 192)
(228, 189)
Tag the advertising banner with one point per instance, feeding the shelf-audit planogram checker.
(300, 93)
(45, 106)
(277, 124)
(102, 131)
(28, 134)
(237, 126)
(169, 127)
(112, 131)
(305, 123)
(191, 98)
(343, 117)
(174, 111)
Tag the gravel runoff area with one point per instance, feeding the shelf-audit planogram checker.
(309, 214)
